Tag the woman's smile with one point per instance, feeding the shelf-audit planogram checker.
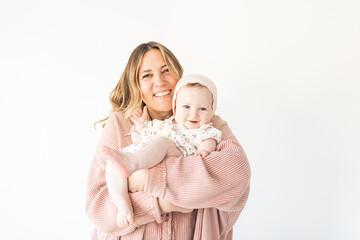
(161, 94)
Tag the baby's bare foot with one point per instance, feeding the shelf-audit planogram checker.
(125, 221)
(117, 158)
(125, 215)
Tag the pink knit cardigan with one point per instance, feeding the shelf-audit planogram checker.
(217, 187)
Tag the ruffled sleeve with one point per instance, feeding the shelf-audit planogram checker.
(139, 132)
(208, 131)
(141, 135)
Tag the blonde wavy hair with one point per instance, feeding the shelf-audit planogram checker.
(126, 96)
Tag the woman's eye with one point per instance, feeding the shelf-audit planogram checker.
(145, 76)
(186, 106)
(166, 70)
(203, 109)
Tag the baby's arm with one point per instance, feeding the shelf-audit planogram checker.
(139, 117)
(206, 147)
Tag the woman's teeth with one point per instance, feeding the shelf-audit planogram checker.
(160, 94)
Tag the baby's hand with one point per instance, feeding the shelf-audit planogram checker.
(202, 153)
(139, 117)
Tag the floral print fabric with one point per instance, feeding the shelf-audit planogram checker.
(186, 140)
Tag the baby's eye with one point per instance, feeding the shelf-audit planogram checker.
(203, 109)
(186, 106)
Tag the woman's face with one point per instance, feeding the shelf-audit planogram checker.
(157, 85)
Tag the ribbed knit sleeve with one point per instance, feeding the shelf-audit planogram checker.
(221, 180)
(99, 206)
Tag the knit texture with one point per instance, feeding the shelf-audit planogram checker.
(217, 187)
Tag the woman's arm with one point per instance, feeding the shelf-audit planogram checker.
(99, 206)
(220, 180)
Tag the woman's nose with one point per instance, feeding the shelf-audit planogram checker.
(159, 79)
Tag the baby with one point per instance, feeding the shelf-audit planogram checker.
(194, 104)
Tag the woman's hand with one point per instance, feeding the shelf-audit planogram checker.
(137, 181)
(168, 207)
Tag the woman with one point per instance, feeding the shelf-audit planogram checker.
(163, 197)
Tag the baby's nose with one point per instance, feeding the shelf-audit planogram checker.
(194, 113)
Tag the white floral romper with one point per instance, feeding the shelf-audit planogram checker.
(186, 140)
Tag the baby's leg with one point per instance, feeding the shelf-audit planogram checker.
(117, 186)
(150, 155)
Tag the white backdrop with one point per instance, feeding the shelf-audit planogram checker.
(288, 79)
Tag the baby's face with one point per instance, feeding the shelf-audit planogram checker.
(193, 107)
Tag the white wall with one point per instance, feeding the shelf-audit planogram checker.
(291, 68)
